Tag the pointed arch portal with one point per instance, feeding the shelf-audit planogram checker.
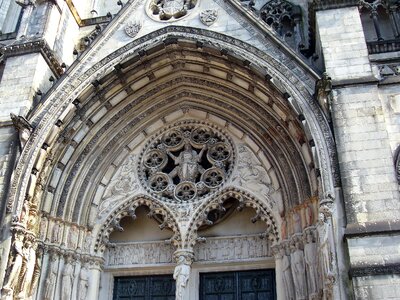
(81, 172)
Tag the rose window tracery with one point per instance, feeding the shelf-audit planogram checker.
(186, 162)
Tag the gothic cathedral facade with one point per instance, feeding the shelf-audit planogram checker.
(200, 149)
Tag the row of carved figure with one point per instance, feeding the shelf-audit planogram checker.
(23, 271)
(213, 249)
(67, 279)
(71, 236)
(306, 265)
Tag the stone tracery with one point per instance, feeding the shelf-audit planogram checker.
(186, 162)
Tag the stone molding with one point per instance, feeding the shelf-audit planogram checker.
(372, 229)
(35, 46)
(374, 270)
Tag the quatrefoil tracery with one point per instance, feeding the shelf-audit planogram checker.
(186, 163)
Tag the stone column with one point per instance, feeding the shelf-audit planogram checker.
(184, 260)
(94, 280)
(276, 250)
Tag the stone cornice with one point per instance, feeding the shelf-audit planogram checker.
(35, 46)
(332, 4)
(373, 270)
(372, 229)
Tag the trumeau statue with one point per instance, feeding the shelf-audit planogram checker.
(181, 275)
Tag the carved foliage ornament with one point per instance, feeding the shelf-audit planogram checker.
(186, 163)
(170, 10)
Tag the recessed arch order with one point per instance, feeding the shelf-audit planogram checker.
(115, 100)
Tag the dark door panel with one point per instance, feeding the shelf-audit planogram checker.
(242, 285)
(144, 288)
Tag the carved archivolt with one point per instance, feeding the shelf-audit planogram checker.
(186, 162)
(157, 209)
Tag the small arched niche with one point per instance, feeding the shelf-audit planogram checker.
(235, 235)
(139, 241)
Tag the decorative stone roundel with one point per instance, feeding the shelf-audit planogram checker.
(186, 162)
(170, 10)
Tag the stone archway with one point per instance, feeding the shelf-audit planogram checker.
(92, 120)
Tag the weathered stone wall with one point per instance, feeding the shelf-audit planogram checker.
(365, 117)
(343, 44)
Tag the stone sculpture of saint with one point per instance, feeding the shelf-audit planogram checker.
(298, 271)
(16, 267)
(181, 276)
(310, 257)
(51, 280)
(67, 281)
(83, 284)
(30, 256)
(287, 276)
(188, 163)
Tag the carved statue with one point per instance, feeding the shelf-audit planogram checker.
(251, 174)
(324, 254)
(24, 129)
(298, 271)
(36, 274)
(51, 279)
(309, 215)
(30, 256)
(287, 277)
(187, 162)
(310, 257)
(83, 283)
(284, 230)
(56, 236)
(16, 266)
(323, 88)
(67, 281)
(296, 222)
(181, 275)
